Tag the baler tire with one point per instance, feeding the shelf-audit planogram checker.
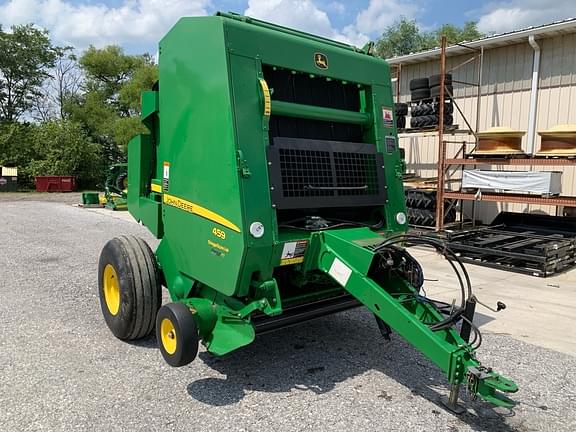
(177, 334)
(129, 287)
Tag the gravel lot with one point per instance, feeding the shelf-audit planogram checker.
(62, 370)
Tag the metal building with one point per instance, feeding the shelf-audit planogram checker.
(527, 81)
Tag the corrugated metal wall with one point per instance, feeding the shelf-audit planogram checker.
(505, 101)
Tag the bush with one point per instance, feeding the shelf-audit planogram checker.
(66, 150)
(52, 148)
(17, 149)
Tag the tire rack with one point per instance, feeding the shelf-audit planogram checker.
(443, 167)
(444, 164)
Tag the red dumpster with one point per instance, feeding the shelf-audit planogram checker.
(55, 183)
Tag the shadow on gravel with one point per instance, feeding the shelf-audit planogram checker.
(147, 342)
(317, 355)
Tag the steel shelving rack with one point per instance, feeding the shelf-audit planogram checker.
(444, 163)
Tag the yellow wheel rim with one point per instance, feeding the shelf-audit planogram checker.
(168, 336)
(111, 289)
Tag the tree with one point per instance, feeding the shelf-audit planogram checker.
(455, 34)
(404, 37)
(70, 152)
(470, 32)
(27, 56)
(62, 86)
(110, 105)
(17, 148)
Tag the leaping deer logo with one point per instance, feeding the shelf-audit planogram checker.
(321, 61)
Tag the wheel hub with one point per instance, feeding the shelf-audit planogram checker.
(111, 289)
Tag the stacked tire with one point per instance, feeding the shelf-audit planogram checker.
(425, 108)
(434, 83)
(426, 114)
(401, 110)
(419, 89)
(421, 208)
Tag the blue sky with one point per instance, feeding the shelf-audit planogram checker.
(137, 25)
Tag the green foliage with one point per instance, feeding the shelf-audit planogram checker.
(17, 149)
(405, 37)
(58, 147)
(402, 37)
(110, 107)
(71, 153)
(455, 34)
(96, 99)
(143, 78)
(27, 55)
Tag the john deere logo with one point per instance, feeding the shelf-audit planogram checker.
(321, 61)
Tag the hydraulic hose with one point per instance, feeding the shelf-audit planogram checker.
(453, 260)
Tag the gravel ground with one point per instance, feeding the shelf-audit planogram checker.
(61, 369)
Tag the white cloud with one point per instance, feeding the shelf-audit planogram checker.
(381, 13)
(515, 14)
(306, 16)
(300, 14)
(144, 22)
(135, 21)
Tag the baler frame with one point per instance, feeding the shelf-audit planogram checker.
(245, 237)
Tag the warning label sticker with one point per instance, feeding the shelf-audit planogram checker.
(293, 252)
(387, 117)
(166, 176)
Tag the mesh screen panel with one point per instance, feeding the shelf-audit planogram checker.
(313, 173)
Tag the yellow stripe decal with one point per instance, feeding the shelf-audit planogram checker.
(190, 207)
(267, 100)
(155, 188)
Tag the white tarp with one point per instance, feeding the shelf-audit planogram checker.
(541, 182)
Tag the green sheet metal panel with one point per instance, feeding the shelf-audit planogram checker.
(213, 134)
(197, 154)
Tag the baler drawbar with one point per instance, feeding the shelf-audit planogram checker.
(273, 179)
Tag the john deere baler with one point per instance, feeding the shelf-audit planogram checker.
(272, 177)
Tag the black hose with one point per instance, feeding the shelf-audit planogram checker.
(440, 247)
(465, 284)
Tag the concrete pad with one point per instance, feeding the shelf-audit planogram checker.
(116, 214)
(540, 311)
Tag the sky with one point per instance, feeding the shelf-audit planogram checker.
(137, 25)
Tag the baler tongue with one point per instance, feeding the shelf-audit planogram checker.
(387, 280)
(487, 385)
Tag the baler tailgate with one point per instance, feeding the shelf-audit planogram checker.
(411, 315)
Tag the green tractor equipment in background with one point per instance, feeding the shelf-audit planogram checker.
(273, 179)
(115, 190)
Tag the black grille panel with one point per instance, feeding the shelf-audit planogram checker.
(301, 168)
(312, 174)
(355, 170)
